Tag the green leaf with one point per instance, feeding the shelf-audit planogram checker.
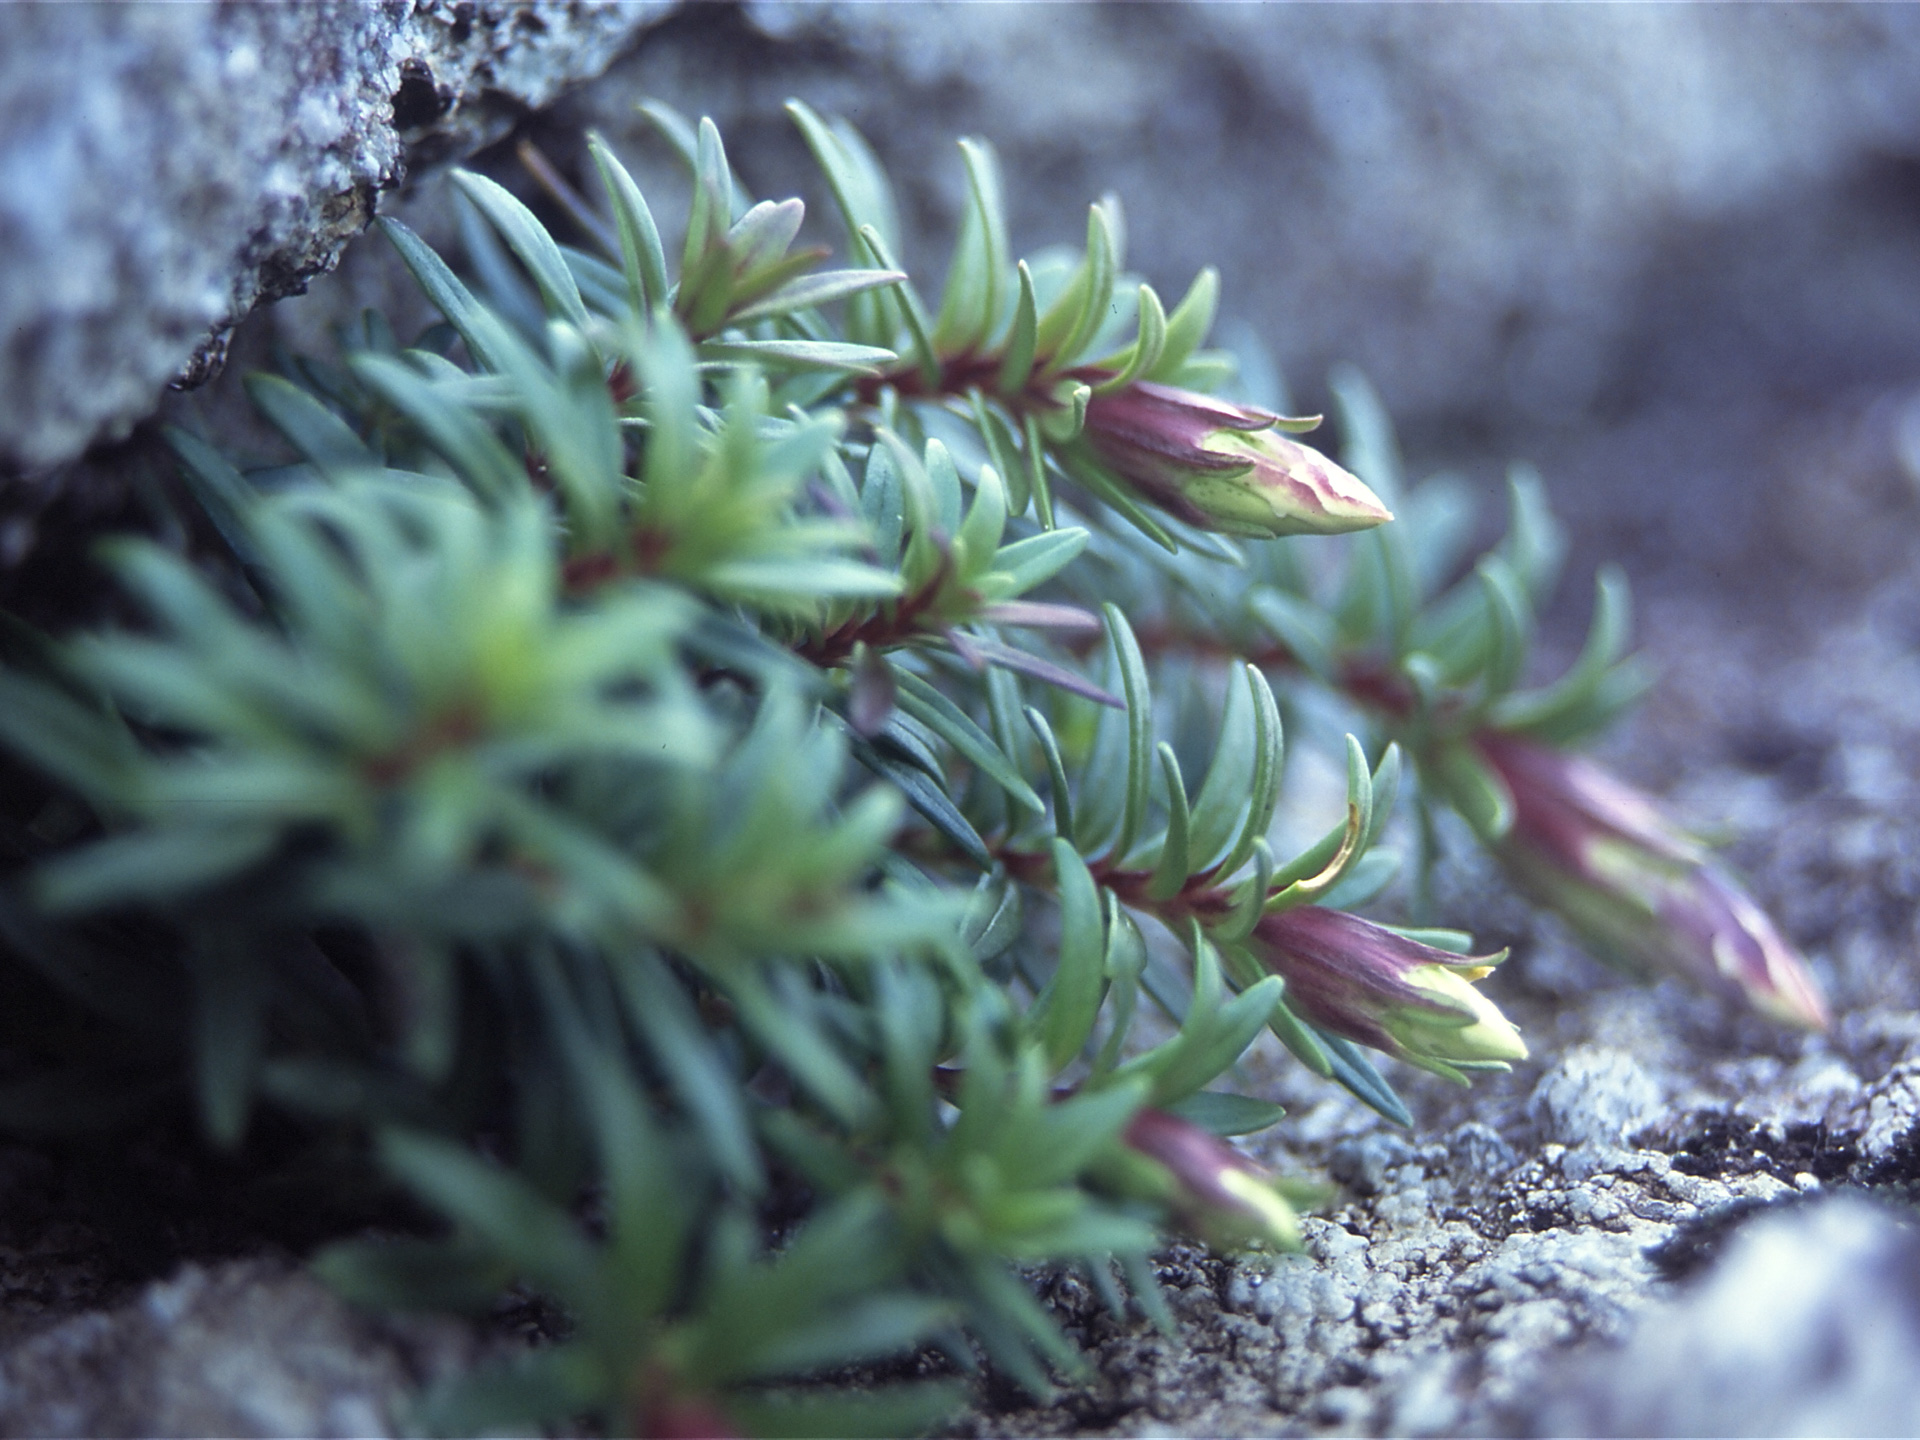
(1606, 638)
(1067, 1009)
(1056, 773)
(1133, 679)
(78, 744)
(859, 186)
(712, 210)
(703, 1081)
(879, 253)
(785, 355)
(231, 987)
(1223, 1113)
(538, 1237)
(1301, 1039)
(1363, 881)
(1076, 315)
(1036, 453)
(790, 1034)
(642, 257)
(929, 799)
(1171, 869)
(952, 724)
(1352, 1069)
(1038, 558)
(1268, 770)
(1304, 628)
(158, 865)
(1016, 362)
(820, 288)
(1510, 623)
(1308, 876)
(401, 1273)
(1475, 791)
(1125, 963)
(1250, 898)
(221, 491)
(529, 240)
(452, 299)
(1187, 327)
(461, 437)
(1219, 808)
(970, 304)
(978, 540)
(943, 477)
(777, 581)
(531, 1393)
(1146, 346)
(869, 1329)
(323, 439)
(1534, 542)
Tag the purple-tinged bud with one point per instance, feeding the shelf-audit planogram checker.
(1636, 887)
(1378, 987)
(1221, 466)
(1220, 1194)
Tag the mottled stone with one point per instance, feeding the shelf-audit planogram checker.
(166, 168)
(242, 1348)
(1809, 1325)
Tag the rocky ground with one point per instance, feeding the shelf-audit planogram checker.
(1673, 1218)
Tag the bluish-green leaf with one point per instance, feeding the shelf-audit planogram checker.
(529, 240)
(1224, 1113)
(798, 355)
(642, 256)
(1070, 1004)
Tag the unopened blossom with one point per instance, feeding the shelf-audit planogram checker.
(1220, 1194)
(1380, 988)
(1221, 466)
(1636, 887)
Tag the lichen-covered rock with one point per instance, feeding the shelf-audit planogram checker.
(1810, 1325)
(166, 168)
(243, 1348)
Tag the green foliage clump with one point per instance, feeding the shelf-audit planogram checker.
(691, 763)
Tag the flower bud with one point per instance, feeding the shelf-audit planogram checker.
(1377, 987)
(1636, 887)
(1221, 466)
(1224, 1197)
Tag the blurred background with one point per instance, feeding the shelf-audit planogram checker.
(1671, 254)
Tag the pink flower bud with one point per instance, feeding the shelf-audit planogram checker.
(1636, 887)
(1221, 466)
(1222, 1195)
(1377, 987)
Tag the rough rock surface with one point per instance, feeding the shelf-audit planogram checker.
(249, 1347)
(1809, 1326)
(165, 168)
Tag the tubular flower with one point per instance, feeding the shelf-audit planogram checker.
(1221, 1195)
(1221, 466)
(1375, 986)
(1643, 893)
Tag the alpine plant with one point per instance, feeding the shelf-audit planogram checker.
(668, 763)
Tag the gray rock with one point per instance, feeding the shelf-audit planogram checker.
(243, 1348)
(166, 168)
(1594, 1096)
(1809, 1325)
